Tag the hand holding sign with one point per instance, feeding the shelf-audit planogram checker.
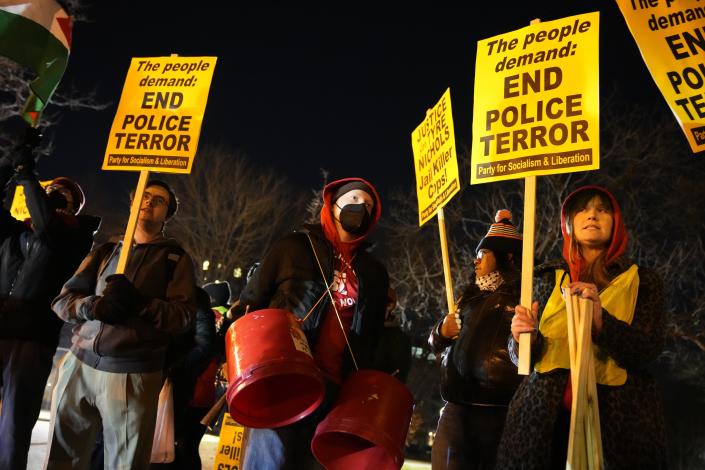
(536, 113)
(157, 123)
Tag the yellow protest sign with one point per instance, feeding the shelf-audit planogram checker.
(435, 160)
(671, 37)
(19, 209)
(230, 445)
(158, 121)
(536, 104)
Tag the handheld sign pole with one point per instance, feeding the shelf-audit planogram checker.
(446, 261)
(518, 131)
(157, 124)
(437, 176)
(527, 263)
(527, 268)
(132, 222)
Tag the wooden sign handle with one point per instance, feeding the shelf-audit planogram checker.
(527, 263)
(527, 268)
(132, 222)
(446, 261)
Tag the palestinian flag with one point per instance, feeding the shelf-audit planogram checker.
(37, 35)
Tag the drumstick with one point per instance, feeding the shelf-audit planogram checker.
(214, 412)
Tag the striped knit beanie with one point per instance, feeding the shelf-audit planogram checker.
(502, 237)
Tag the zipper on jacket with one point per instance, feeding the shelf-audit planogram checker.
(96, 340)
(19, 270)
(316, 318)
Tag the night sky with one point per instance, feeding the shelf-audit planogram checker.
(302, 89)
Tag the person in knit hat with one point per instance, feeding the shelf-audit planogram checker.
(478, 377)
(294, 275)
(36, 256)
(502, 236)
(66, 195)
(627, 334)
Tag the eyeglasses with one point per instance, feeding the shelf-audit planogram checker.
(154, 200)
(481, 253)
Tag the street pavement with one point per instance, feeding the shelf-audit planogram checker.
(208, 448)
(40, 435)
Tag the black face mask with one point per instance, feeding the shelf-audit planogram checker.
(355, 219)
(57, 200)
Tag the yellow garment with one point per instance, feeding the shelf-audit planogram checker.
(618, 298)
(220, 309)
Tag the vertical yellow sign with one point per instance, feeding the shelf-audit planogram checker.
(536, 104)
(435, 159)
(158, 121)
(230, 445)
(19, 209)
(671, 37)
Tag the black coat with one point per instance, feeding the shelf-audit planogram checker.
(476, 367)
(393, 353)
(34, 263)
(189, 355)
(290, 278)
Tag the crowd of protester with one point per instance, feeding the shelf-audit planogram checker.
(134, 328)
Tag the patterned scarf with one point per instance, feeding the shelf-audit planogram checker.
(489, 282)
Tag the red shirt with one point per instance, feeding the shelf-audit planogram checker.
(330, 346)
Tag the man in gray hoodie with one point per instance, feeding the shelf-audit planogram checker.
(122, 326)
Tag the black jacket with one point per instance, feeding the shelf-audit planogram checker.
(289, 278)
(162, 273)
(393, 354)
(35, 261)
(189, 355)
(476, 367)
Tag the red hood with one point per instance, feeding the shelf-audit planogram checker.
(345, 248)
(618, 244)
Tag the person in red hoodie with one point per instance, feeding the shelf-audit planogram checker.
(290, 278)
(627, 336)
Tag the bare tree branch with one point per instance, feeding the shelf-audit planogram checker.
(230, 211)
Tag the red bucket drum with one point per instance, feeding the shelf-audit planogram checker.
(367, 426)
(273, 380)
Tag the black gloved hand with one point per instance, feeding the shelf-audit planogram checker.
(120, 289)
(22, 156)
(110, 311)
